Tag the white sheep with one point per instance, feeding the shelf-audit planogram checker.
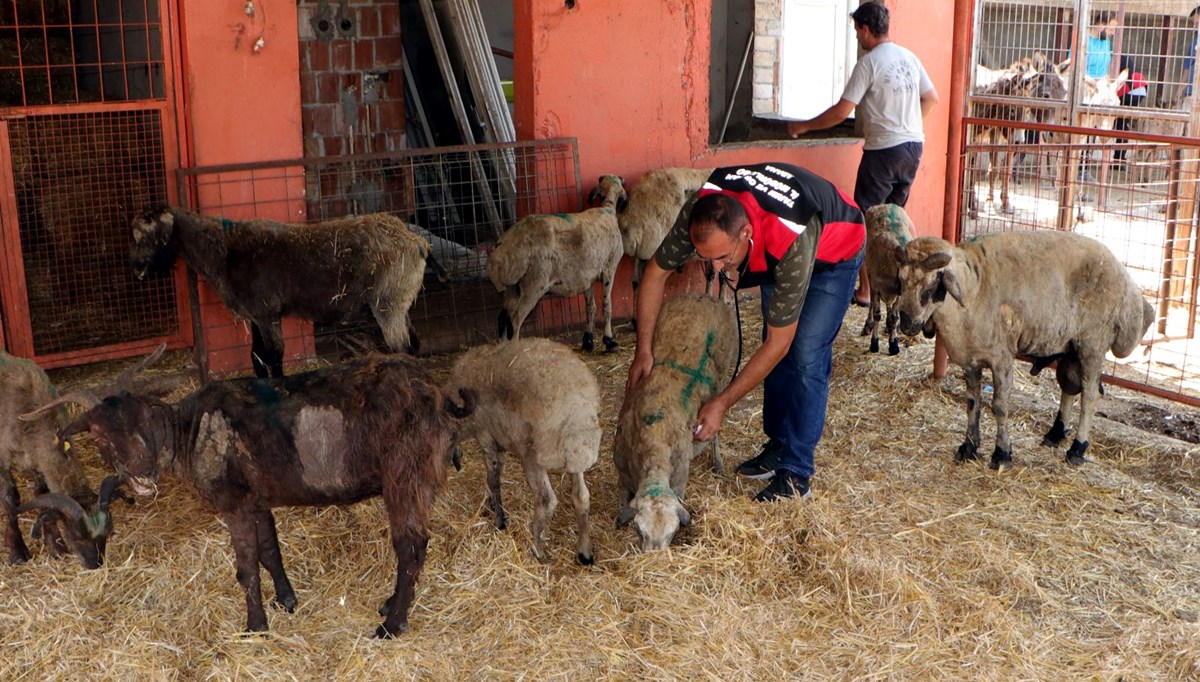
(654, 204)
(561, 254)
(1046, 294)
(888, 226)
(695, 348)
(539, 401)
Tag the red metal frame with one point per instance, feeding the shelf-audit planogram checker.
(16, 333)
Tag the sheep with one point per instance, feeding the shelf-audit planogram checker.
(63, 492)
(262, 270)
(539, 401)
(376, 425)
(654, 204)
(561, 254)
(695, 348)
(1046, 294)
(888, 226)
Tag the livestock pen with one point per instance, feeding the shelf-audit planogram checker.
(902, 565)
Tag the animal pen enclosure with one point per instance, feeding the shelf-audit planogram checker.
(1071, 150)
(459, 198)
(86, 135)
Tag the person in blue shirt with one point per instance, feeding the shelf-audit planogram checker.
(1098, 49)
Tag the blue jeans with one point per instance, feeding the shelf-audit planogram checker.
(797, 389)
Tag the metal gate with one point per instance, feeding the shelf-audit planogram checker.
(87, 133)
(1051, 140)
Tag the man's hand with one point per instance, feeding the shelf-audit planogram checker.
(639, 369)
(797, 128)
(708, 420)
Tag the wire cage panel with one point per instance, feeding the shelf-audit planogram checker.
(78, 179)
(58, 52)
(461, 199)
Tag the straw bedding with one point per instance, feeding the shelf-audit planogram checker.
(902, 565)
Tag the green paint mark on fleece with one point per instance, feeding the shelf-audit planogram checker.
(697, 376)
(226, 223)
(652, 419)
(656, 490)
(895, 219)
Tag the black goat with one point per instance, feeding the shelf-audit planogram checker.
(31, 445)
(376, 425)
(263, 270)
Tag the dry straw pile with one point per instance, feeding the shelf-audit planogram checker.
(902, 566)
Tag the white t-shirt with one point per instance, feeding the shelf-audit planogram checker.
(886, 85)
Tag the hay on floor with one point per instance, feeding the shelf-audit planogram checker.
(902, 565)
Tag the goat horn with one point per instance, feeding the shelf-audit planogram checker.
(123, 381)
(111, 487)
(63, 504)
(69, 509)
(82, 397)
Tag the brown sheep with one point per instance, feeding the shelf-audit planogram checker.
(888, 226)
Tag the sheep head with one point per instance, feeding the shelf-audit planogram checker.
(87, 532)
(153, 249)
(657, 514)
(609, 191)
(925, 279)
(127, 436)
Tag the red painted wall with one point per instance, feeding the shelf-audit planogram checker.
(629, 78)
(242, 105)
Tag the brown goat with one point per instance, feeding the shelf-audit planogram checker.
(375, 426)
(326, 271)
(63, 492)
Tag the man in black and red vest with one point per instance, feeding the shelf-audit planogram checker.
(800, 239)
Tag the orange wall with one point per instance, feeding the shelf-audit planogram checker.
(242, 106)
(629, 79)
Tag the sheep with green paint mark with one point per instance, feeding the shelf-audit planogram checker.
(888, 227)
(563, 254)
(695, 349)
(539, 401)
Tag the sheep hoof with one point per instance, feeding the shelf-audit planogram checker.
(18, 556)
(585, 559)
(610, 344)
(287, 603)
(874, 346)
(1001, 459)
(893, 347)
(1054, 437)
(501, 522)
(589, 342)
(1075, 453)
(966, 451)
(383, 632)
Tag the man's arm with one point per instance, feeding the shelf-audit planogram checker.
(929, 98)
(830, 117)
(779, 339)
(649, 300)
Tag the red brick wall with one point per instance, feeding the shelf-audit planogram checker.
(351, 77)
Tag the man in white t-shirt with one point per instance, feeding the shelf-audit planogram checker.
(893, 93)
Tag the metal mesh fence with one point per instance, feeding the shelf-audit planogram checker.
(459, 198)
(57, 52)
(1058, 144)
(78, 178)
